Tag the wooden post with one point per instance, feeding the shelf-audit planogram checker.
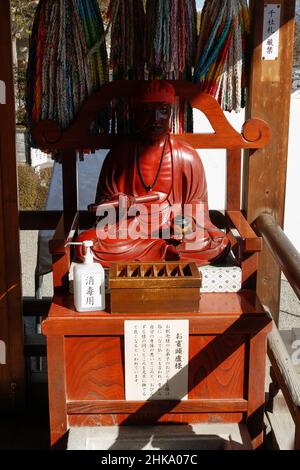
(265, 170)
(256, 393)
(70, 181)
(57, 387)
(11, 323)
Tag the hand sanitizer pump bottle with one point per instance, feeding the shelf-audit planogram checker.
(89, 283)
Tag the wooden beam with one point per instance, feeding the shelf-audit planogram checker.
(70, 181)
(185, 406)
(265, 171)
(36, 308)
(233, 190)
(11, 323)
(39, 220)
(48, 220)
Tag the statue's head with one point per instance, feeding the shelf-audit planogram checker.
(153, 107)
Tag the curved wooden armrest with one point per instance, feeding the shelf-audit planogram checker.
(281, 248)
(65, 231)
(241, 235)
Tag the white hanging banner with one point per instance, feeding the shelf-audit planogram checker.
(156, 359)
(270, 47)
(2, 93)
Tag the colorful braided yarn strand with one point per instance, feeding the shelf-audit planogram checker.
(68, 56)
(127, 39)
(221, 63)
(170, 48)
(127, 61)
(61, 73)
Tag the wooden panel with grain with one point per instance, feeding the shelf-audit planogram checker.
(251, 241)
(168, 300)
(94, 368)
(86, 368)
(154, 406)
(114, 325)
(233, 189)
(217, 365)
(232, 304)
(57, 387)
(145, 419)
(256, 392)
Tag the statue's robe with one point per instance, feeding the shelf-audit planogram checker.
(181, 182)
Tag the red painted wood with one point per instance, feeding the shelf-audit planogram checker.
(217, 365)
(57, 388)
(145, 418)
(256, 389)
(251, 242)
(99, 371)
(47, 135)
(234, 312)
(93, 357)
(233, 190)
(189, 406)
(86, 373)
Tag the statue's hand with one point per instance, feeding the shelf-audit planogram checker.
(172, 254)
(182, 226)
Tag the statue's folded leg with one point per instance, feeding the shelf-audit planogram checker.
(214, 249)
(126, 250)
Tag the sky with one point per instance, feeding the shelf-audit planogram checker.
(200, 3)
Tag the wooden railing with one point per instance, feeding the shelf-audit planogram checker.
(284, 375)
(281, 248)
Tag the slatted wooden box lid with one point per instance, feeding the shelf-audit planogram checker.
(154, 287)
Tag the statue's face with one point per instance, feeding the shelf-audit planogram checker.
(152, 120)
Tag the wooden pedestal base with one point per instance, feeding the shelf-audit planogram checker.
(227, 352)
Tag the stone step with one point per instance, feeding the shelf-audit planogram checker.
(163, 437)
(283, 430)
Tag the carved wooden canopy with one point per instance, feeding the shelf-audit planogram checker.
(48, 135)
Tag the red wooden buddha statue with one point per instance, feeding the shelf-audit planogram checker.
(173, 223)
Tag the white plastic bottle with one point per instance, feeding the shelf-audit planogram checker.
(89, 283)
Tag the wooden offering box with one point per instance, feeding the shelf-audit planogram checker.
(154, 287)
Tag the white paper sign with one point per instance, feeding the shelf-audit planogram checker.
(156, 359)
(270, 45)
(2, 93)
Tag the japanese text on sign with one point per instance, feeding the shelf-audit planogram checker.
(90, 291)
(271, 28)
(156, 359)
